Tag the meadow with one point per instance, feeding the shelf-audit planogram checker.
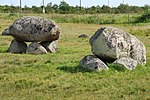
(58, 76)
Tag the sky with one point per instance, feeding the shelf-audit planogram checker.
(85, 3)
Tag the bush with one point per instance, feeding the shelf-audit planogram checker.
(144, 18)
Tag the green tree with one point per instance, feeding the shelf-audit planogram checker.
(144, 18)
(146, 8)
(93, 10)
(49, 8)
(37, 9)
(99, 10)
(123, 8)
(49, 4)
(136, 9)
(64, 7)
(27, 9)
(106, 9)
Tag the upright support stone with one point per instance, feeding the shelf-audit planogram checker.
(17, 47)
(50, 46)
(36, 48)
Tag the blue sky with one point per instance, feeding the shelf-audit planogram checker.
(85, 3)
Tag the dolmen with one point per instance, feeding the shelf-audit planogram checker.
(42, 33)
(113, 45)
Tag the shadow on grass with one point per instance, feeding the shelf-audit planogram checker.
(78, 68)
(75, 69)
(3, 51)
(119, 68)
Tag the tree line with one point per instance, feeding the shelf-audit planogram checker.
(65, 8)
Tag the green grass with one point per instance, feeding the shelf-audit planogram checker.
(82, 18)
(58, 76)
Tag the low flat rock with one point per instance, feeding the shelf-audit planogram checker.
(126, 62)
(91, 62)
(34, 29)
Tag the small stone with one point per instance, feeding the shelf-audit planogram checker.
(36, 48)
(91, 62)
(6, 32)
(83, 36)
(128, 63)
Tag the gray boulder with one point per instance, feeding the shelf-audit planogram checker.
(6, 32)
(34, 29)
(50, 46)
(110, 44)
(17, 47)
(126, 62)
(36, 48)
(91, 62)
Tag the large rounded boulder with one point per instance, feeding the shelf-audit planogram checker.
(110, 44)
(31, 29)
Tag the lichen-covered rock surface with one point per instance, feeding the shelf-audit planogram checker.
(126, 62)
(91, 62)
(34, 29)
(110, 44)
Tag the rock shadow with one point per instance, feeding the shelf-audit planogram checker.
(119, 68)
(74, 69)
(78, 68)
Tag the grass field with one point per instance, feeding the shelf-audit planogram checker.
(58, 76)
(81, 18)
